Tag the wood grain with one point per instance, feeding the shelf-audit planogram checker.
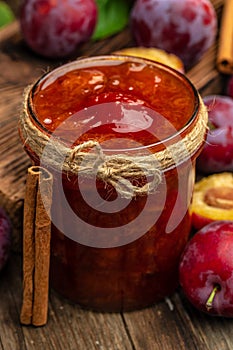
(72, 328)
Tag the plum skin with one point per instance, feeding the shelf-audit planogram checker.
(186, 28)
(216, 155)
(55, 28)
(5, 238)
(208, 261)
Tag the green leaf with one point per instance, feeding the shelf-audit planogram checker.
(113, 16)
(6, 14)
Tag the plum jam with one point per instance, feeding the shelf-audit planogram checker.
(120, 136)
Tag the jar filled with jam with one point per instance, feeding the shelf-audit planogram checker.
(120, 136)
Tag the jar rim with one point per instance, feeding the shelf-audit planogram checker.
(93, 61)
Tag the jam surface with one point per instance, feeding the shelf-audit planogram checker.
(114, 104)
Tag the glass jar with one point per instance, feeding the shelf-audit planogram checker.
(120, 136)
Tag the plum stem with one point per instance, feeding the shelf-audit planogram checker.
(209, 302)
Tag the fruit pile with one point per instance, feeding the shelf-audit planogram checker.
(186, 28)
(206, 266)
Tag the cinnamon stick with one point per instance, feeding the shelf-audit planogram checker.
(28, 247)
(225, 49)
(36, 246)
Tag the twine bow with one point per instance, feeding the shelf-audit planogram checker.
(115, 170)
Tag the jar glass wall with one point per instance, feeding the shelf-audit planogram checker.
(120, 136)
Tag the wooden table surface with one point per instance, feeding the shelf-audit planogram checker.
(170, 325)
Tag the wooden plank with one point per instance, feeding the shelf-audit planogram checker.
(215, 332)
(12, 159)
(69, 327)
(11, 334)
(180, 327)
(158, 322)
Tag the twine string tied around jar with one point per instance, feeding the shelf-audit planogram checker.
(116, 170)
(88, 159)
